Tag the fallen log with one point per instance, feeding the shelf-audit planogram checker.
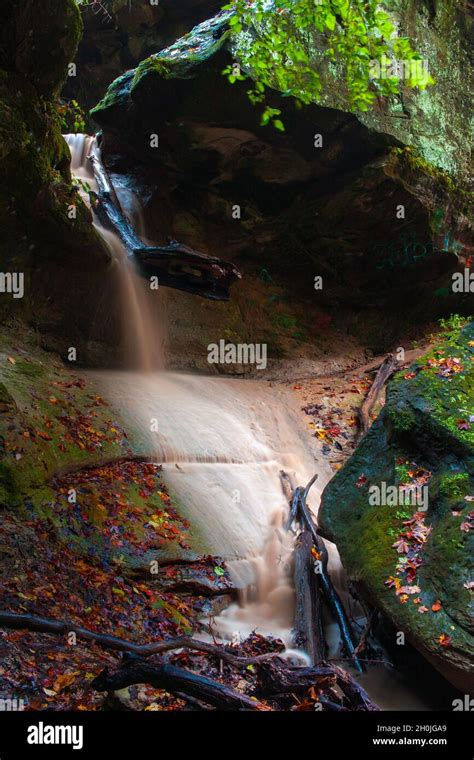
(49, 625)
(387, 368)
(409, 357)
(177, 681)
(176, 265)
(307, 630)
(276, 677)
(286, 485)
(294, 507)
(354, 692)
(279, 678)
(332, 597)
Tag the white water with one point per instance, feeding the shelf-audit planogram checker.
(141, 308)
(223, 443)
(230, 439)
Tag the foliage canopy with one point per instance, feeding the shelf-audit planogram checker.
(359, 38)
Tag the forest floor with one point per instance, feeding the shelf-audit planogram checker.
(82, 522)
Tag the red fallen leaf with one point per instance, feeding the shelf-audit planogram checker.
(410, 375)
(401, 546)
(408, 590)
(445, 640)
(463, 425)
(436, 606)
(297, 387)
(44, 436)
(361, 480)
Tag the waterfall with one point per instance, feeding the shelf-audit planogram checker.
(230, 439)
(223, 443)
(141, 308)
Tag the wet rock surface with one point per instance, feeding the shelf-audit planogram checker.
(413, 563)
(47, 232)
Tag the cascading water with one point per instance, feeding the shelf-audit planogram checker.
(229, 438)
(141, 309)
(222, 443)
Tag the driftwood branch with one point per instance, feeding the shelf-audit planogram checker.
(354, 692)
(386, 370)
(276, 677)
(176, 265)
(294, 507)
(275, 680)
(49, 625)
(307, 630)
(177, 681)
(332, 597)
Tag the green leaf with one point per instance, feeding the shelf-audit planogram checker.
(330, 21)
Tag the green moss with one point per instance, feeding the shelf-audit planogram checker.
(432, 401)
(454, 486)
(403, 420)
(10, 490)
(153, 66)
(416, 163)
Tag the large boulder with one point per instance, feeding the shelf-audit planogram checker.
(119, 34)
(283, 209)
(432, 120)
(415, 565)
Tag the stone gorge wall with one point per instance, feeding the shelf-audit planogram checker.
(285, 210)
(302, 210)
(64, 264)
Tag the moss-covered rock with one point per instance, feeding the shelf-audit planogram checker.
(432, 120)
(416, 565)
(47, 232)
(119, 35)
(45, 41)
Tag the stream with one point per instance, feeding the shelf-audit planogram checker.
(223, 443)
